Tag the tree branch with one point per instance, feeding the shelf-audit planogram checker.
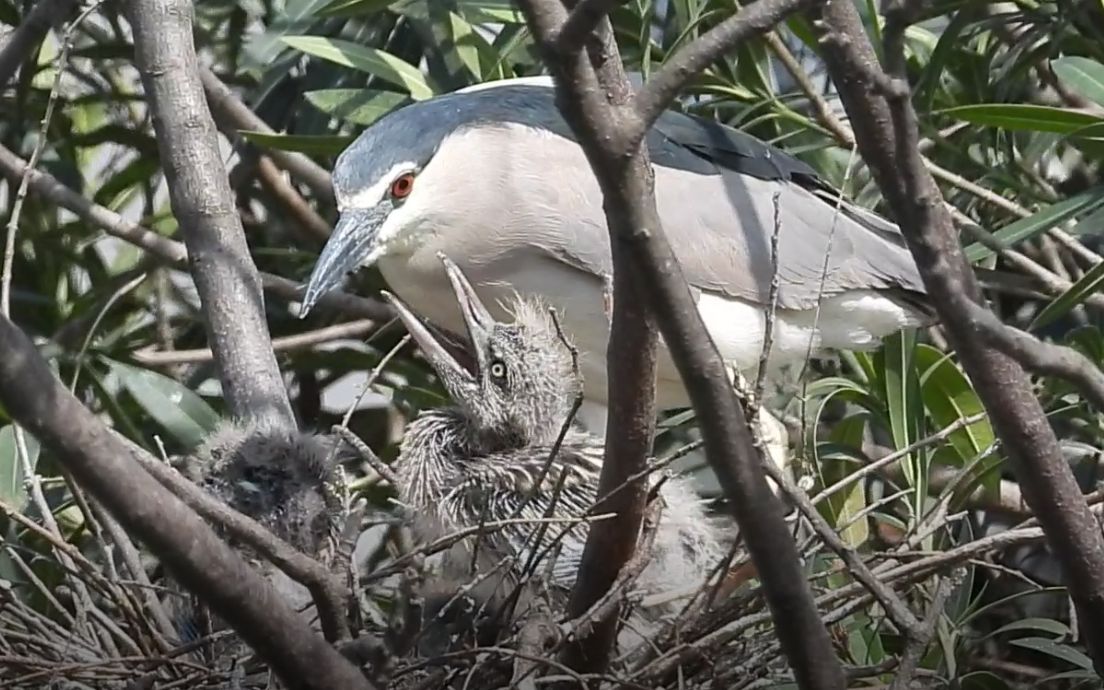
(106, 468)
(225, 275)
(581, 23)
(885, 125)
(598, 107)
(631, 351)
(25, 38)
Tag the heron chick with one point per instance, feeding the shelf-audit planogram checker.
(281, 478)
(490, 458)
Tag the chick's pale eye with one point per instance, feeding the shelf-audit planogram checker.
(498, 370)
(402, 186)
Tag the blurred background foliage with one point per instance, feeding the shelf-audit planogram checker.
(1011, 103)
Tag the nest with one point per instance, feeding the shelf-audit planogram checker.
(106, 616)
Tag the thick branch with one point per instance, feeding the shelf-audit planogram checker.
(885, 125)
(1039, 356)
(21, 42)
(640, 249)
(225, 275)
(105, 467)
(631, 351)
(232, 115)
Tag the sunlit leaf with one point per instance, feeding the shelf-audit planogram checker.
(1082, 75)
(1087, 285)
(377, 62)
(950, 398)
(359, 106)
(1038, 223)
(1018, 116)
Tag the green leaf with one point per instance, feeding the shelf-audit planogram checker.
(372, 60)
(949, 397)
(1077, 293)
(900, 389)
(324, 144)
(1083, 75)
(1054, 649)
(1048, 625)
(1016, 116)
(359, 106)
(174, 406)
(1038, 223)
(490, 11)
(844, 505)
(12, 491)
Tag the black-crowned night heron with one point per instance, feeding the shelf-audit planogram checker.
(493, 178)
(283, 479)
(489, 457)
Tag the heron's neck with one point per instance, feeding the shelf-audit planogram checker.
(427, 464)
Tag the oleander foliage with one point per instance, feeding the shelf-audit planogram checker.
(1011, 103)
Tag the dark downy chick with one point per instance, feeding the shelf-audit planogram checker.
(481, 461)
(282, 478)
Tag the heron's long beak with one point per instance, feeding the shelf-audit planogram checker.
(451, 372)
(352, 244)
(477, 319)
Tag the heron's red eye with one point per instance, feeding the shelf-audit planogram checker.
(402, 186)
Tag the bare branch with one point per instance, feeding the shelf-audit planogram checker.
(289, 197)
(224, 272)
(896, 609)
(596, 104)
(1039, 356)
(106, 468)
(152, 357)
(885, 124)
(918, 643)
(678, 70)
(25, 38)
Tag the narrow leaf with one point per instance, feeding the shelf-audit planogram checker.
(1056, 650)
(1083, 75)
(1077, 293)
(1023, 117)
(11, 469)
(359, 106)
(372, 60)
(1026, 228)
(182, 413)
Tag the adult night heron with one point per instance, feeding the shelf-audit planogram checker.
(490, 457)
(494, 179)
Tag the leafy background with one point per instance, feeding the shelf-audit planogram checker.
(1011, 101)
